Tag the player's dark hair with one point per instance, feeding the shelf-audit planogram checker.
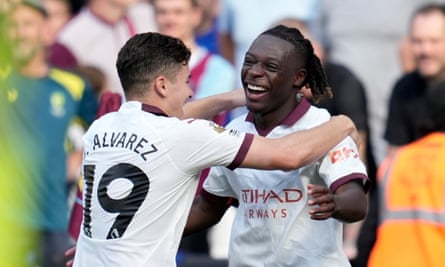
(316, 78)
(146, 56)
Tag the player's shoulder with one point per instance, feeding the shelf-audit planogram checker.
(318, 114)
(238, 122)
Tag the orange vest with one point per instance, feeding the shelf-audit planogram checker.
(411, 232)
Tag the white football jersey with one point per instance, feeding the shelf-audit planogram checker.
(272, 226)
(140, 172)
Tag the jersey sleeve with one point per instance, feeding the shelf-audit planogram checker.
(202, 144)
(343, 164)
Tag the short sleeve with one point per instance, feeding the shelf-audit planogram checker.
(343, 164)
(204, 144)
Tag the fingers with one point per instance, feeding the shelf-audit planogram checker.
(322, 200)
(69, 254)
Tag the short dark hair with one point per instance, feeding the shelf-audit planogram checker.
(316, 78)
(428, 9)
(146, 56)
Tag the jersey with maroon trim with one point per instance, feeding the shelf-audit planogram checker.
(140, 173)
(272, 226)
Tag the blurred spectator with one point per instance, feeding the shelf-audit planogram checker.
(349, 98)
(411, 231)
(407, 108)
(37, 103)
(207, 32)
(210, 74)
(95, 35)
(365, 36)
(59, 13)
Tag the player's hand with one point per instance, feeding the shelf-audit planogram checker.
(69, 255)
(353, 132)
(322, 201)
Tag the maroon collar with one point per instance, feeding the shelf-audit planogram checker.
(154, 110)
(290, 120)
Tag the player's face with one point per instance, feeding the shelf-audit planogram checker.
(179, 92)
(428, 44)
(270, 69)
(27, 31)
(176, 18)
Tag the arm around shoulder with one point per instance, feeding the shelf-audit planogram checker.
(300, 148)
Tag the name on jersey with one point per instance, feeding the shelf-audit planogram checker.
(262, 196)
(129, 141)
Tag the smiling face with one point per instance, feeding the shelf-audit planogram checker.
(271, 73)
(428, 44)
(179, 92)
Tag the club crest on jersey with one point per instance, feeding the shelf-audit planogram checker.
(57, 104)
(218, 128)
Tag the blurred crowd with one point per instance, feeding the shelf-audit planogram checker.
(57, 69)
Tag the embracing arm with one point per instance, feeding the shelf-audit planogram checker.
(209, 107)
(300, 148)
(204, 214)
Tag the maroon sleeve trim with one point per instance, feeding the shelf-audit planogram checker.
(353, 176)
(248, 139)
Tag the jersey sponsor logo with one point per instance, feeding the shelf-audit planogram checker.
(266, 213)
(130, 141)
(57, 104)
(263, 196)
(342, 154)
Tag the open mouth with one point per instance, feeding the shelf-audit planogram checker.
(255, 89)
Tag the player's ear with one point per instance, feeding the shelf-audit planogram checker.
(160, 85)
(299, 77)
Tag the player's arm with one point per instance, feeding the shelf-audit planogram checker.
(300, 148)
(205, 213)
(209, 107)
(338, 204)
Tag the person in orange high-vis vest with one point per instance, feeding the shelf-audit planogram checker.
(411, 184)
